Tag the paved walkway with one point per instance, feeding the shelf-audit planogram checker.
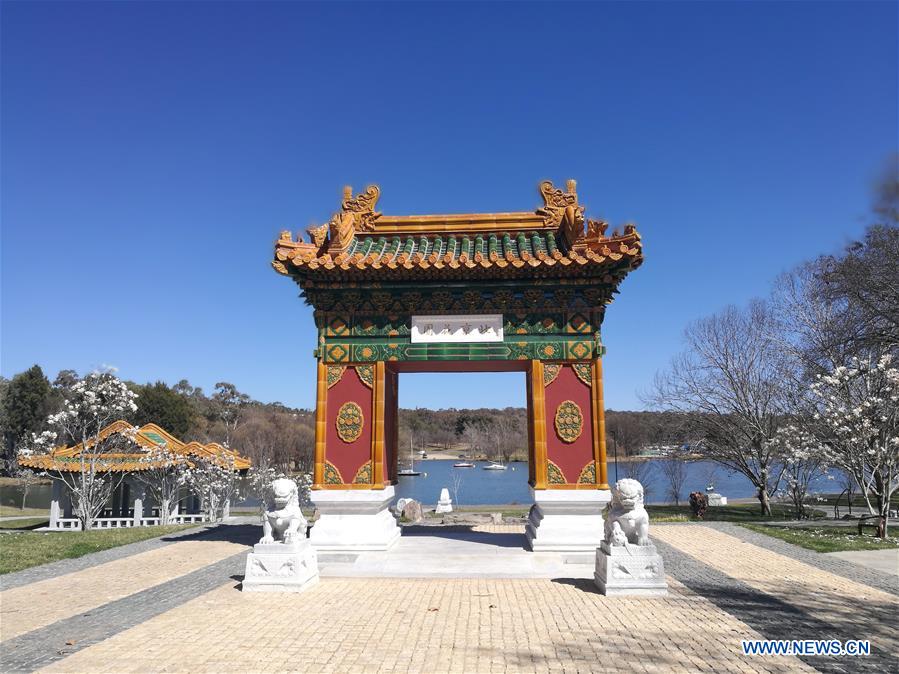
(886, 561)
(482, 551)
(177, 607)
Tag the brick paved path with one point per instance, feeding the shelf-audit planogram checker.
(724, 587)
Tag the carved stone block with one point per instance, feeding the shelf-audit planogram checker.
(630, 569)
(281, 567)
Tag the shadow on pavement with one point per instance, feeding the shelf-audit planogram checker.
(461, 532)
(583, 584)
(244, 534)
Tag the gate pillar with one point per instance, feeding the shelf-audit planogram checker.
(568, 479)
(351, 485)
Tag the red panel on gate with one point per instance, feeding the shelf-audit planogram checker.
(348, 457)
(570, 457)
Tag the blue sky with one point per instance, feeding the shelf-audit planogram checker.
(151, 153)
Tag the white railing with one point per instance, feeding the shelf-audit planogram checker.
(70, 523)
(113, 522)
(74, 524)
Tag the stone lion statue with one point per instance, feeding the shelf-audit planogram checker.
(627, 520)
(284, 521)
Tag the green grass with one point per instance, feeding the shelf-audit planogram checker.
(740, 512)
(13, 511)
(29, 523)
(831, 539)
(858, 501)
(31, 548)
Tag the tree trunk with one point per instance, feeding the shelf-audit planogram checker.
(764, 501)
(24, 496)
(165, 511)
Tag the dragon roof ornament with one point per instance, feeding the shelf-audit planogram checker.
(358, 238)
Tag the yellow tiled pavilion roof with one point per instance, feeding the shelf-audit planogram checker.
(147, 438)
(359, 243)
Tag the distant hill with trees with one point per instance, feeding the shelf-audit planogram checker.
(284, 437)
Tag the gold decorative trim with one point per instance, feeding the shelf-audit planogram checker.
(363, 475)
(550, 372)
(366, 374)
(583, 372)
(350, 422)
(569, 421)
(332, 475)
(335, 373)
(588, 474)
(554, 474)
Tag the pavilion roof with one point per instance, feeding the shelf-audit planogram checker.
(359, 243)
(133, 454)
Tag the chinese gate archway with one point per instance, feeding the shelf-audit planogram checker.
(522, 291)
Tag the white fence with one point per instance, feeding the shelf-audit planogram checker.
(73, 524)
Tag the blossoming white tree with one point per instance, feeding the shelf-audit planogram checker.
(162, 474)
(804, 462)
(91, 404)
(259, 483)
(214, 480)
(857, 425)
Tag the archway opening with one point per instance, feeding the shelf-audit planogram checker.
(466, 432)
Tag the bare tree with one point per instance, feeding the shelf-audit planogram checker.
(27, 479)
(229, 404)
(732, 376)
(510, 433)
(674, 472)
(456, 486)
(641, 471)
(474, 435)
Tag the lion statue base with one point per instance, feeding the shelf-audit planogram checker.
(627, 563)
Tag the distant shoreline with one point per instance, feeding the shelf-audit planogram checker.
(453, 455)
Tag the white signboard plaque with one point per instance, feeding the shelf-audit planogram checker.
(477, 328)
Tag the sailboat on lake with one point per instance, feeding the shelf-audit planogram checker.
(410, 471)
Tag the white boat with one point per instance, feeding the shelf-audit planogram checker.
(410, 471)
(463, 464)
(494, 466)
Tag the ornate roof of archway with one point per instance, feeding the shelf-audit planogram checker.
(133, 453)
(553, 241)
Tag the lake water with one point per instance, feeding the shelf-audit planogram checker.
(499, 487)
(494, 487)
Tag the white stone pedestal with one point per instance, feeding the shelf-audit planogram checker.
(445, 503)
(630, 570)
(566, 520)
(281, 567)
(353, 520)
(717, 500)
